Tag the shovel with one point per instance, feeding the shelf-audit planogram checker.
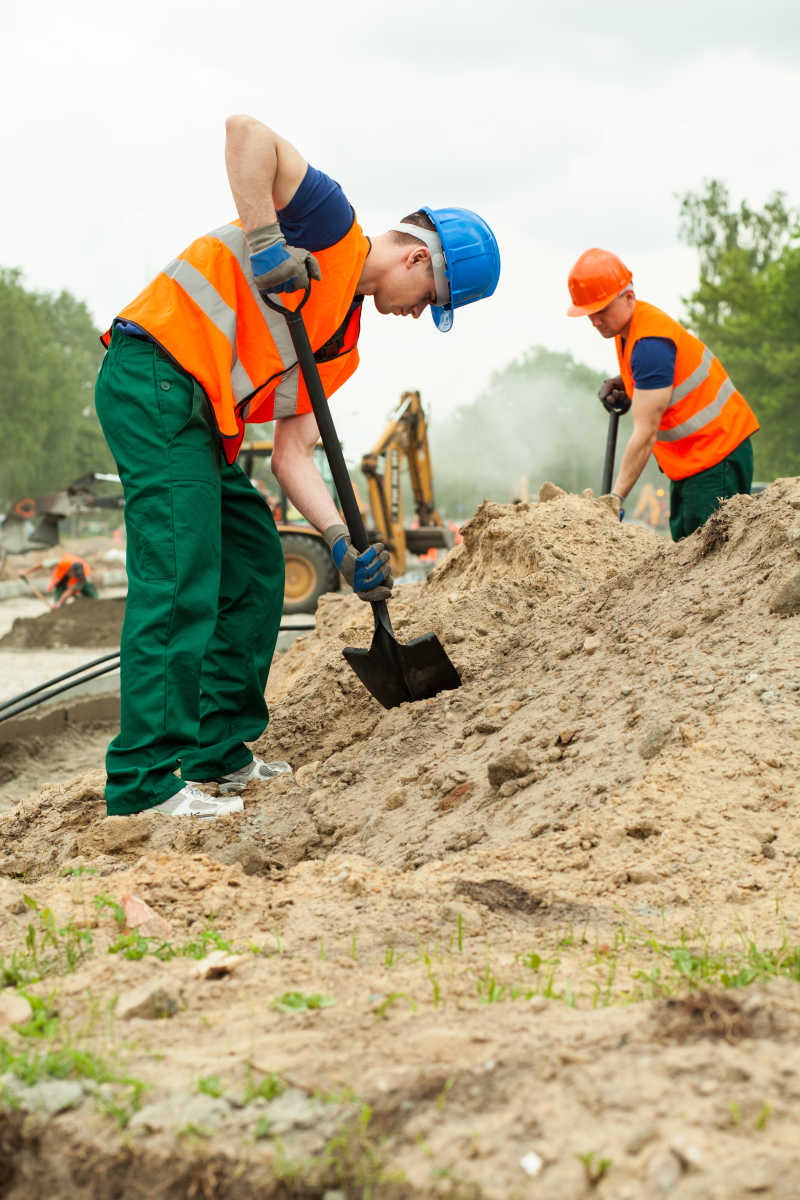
(611, 452)
(391, 671)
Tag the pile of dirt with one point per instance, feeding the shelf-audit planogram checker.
(81, 622)
(526, 900)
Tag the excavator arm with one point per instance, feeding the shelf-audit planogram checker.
(404, 442)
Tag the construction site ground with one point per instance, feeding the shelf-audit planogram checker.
(535, 937)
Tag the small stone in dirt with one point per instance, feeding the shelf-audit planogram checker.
(676, 631)
(455, 636)
(293, 1110)
(641, 1137)
(150, 1001)
(550, 491)
(531, 1163)
(643, 874)
(509, 766)
(395, 799)
(181, 1110)
(687, 1149)
(665, 1171)
(49, 1096)
(655, 738)
(591, 643)
(786, 598)
(139, 915)
(14, 1009)
(305, 774)
(216, 964)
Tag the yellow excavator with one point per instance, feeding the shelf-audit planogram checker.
(402, 446)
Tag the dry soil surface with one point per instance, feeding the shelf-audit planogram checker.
(81, 622)
(535, 937)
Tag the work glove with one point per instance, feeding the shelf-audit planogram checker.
(613, 396)
(369, 573)
(277, 267)
(613, 502)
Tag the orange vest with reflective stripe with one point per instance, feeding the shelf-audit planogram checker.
(204, 310)
(706, 418)
(63, 570)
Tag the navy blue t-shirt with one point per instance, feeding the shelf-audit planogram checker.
(318, 214)
(653, 363)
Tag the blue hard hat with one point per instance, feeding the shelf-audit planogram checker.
(472, 260)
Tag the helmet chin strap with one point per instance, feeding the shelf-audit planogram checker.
(438, 262)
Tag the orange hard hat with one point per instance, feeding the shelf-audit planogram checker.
(597, 278)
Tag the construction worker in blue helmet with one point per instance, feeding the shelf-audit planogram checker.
(193, 359)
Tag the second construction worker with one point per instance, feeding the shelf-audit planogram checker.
(194, 358)
(70, 577)
(685, 409)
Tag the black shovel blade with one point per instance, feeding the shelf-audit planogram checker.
(395, 673)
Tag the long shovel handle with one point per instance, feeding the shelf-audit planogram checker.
(327, 431)
(611, 452)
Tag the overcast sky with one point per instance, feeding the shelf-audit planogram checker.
(565, 124)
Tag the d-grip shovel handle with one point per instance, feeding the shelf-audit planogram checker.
(327, 431)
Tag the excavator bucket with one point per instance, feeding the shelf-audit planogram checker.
(395, 673)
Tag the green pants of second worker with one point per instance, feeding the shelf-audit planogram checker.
(205, 585)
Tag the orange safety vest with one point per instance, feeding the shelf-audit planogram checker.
(205, 311)
(706, 418)
(63, 570)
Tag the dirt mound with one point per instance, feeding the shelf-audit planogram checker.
(556, 873)
(81, 622)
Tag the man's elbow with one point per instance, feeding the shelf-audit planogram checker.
(240, 126)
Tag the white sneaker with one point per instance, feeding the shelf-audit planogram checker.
(256, 769)
(189, 802)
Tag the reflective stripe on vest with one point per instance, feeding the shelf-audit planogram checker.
(706, 418)
(702, 418)
(205, 311)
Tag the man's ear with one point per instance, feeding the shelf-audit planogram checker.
(417, 254)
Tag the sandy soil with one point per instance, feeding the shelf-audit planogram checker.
(536, 937)
(81, 622)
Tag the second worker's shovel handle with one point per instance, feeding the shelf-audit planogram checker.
(611, 453)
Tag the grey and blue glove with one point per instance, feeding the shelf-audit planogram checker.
(369, 573)
(277, 267)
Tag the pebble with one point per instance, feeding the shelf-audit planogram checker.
(48, 1096)
(591, 643)
(655, 738)
(149, 1001)
(665, 1171)
(508, 766)
(641, 1137)
(786, 597)
(181, 1110)
(14, 1009)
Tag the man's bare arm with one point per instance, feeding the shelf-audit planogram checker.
(293, 467)
(647, 410)
(264, 170)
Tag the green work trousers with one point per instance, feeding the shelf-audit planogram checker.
(693, 500)
(205, 584)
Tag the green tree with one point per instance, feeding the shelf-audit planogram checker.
(746, 307)
(539, 418)
(49, 356)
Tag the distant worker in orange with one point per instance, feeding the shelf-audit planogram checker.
(70, 577)
(685, 409)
